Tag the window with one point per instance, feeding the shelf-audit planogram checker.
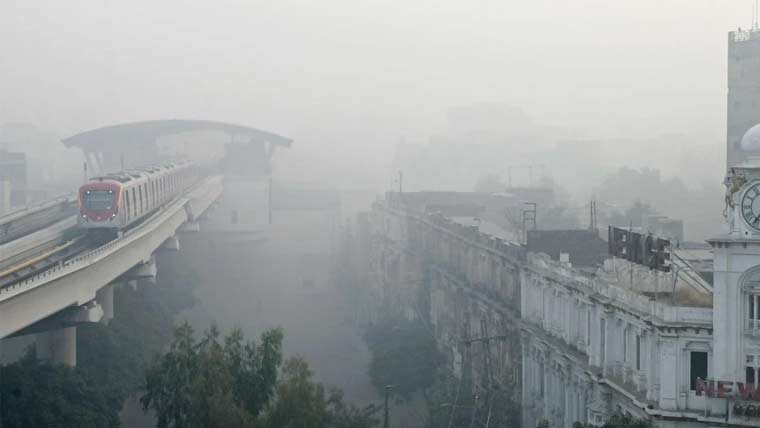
(638, 352)
(126, 203)
(625, 345)
(602, 340)
(541, 378)
(99, 200)
(697, 367)
(134, 202)
(752, 370)
(140, 192)
(753, 311)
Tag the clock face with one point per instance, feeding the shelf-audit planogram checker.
(751, 206)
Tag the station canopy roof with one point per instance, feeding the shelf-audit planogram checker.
(149, 131)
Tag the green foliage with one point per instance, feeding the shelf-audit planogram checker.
(543, 423)
(210, 383)
(617, 421)
(207, 383)
(36, 394)
(116, 355)
(404, 354)
(341, 415)
(446, 402)
(110, 361)
(302, 403)
(626, 421)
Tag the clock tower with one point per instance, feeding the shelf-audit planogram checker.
(736, 296)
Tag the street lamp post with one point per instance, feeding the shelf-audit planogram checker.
(385, 414)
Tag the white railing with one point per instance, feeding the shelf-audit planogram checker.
(617, 295)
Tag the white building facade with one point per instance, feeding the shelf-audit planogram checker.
(592, 348)
(595, 345)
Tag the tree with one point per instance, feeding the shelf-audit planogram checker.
(404, 354)
(616, 421)
(626, 421)
(302, 403)
(341, 415)
(38, 394)
(204, 383)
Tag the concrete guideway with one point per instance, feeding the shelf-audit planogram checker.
(76, 282)
(19, 223)
(25, 247)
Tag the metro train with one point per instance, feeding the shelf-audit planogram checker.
(115, 202)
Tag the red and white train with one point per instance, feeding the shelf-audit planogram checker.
(118, 201)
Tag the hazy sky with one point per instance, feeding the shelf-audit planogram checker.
(347, 78)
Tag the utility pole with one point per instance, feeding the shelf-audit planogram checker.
(385, 413)
(630, 249)
(488, 382)
(529, 216)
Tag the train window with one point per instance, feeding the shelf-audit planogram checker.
(134, 202)
(99, 200)
(139, 191)
(126, 203)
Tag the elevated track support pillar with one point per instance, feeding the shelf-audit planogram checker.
(58, 346)
(145, 271)
(171, 244)
(190, 227)
(104, 297)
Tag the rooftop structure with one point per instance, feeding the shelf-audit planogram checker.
(13, 173)
(743, 107)
(134, 144)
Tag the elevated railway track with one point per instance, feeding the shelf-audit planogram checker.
(70, 272)
(19, 223)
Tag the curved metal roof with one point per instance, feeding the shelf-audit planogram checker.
(151, 130)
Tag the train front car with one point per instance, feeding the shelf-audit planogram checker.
(99, 207)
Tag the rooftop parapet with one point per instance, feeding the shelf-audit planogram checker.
(744, 35)
(603, 288)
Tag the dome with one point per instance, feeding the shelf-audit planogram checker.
(751, 140)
